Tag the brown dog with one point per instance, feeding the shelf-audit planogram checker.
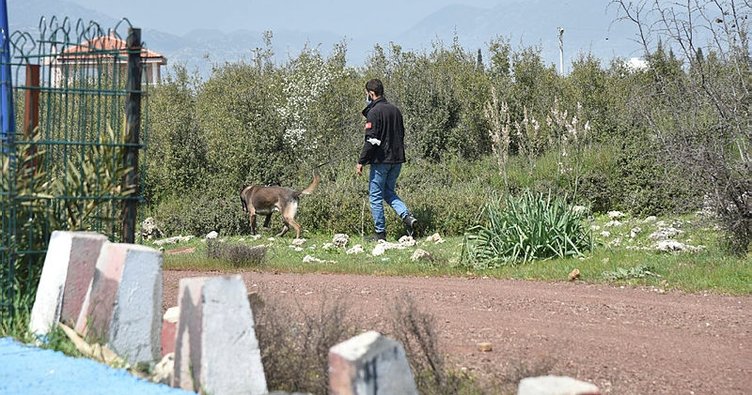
(264, 200)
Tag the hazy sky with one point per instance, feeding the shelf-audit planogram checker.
(362, 24)
(346, 17)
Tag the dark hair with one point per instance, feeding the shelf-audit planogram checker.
(375, 86)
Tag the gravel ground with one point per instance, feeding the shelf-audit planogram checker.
(625, 340)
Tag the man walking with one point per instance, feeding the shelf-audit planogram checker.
(384, 150)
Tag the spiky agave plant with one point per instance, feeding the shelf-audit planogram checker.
(89, 182)
(39, 195)
(523, 229)
(23, 200)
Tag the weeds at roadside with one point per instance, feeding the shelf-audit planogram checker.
(239, 255)
(518, 370)
(640, 271)
(295, 344)
(417, 332)
(57, 340)
(17, 325)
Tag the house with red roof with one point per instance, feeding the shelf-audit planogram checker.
(103, 54)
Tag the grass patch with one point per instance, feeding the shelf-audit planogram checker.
(641, 271)
(17, 324)
(624, 245)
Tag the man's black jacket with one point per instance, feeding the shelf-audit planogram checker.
(384, 134)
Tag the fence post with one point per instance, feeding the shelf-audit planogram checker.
(31, 108)
(7, 117)
(31, 101)
(133, 128)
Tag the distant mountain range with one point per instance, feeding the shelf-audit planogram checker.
(587, 27)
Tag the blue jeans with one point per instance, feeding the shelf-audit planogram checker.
(383, 179)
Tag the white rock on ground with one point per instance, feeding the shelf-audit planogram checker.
(163, 370)
(421, 255)
(216, 349)
(123, 304)
(69, 266)
(173, 240)
(356, 249)
(340, 240)
(675, 246)
(312, 259)
(665, 233)
(212, 235)
(634, 232)
(150, 230)
(370, 364)
(615, 214)
(379, 249)
(403, 243)
(435, 238)
(406, 241)
(580, 210)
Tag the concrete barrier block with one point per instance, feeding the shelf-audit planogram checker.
(216, 350)
(69, 266)
(169, 329)
(370, 364)
(555, 385)
(123, 304)
(188, 337)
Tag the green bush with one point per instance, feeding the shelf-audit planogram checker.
(175, 155)
(339, 204)
(444, 197)
(198, 214)
(531, 227)
(239, 255)
(649, 183)
(598, 135)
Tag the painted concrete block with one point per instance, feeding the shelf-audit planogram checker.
(68, 269)
(216, 350)
(555, 385)
(123, 304)
(169, 329)
(188, 338)
(370, 364)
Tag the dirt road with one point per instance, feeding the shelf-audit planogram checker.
(625, 340)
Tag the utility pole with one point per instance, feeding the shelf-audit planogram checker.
(561, 50)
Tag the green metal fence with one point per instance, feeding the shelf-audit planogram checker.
(72, 163)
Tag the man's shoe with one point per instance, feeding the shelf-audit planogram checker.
(376, 236)
(410, 223)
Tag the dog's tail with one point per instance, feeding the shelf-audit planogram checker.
(314, 184)
(242, 201)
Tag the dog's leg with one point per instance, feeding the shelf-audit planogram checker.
(296, 226)
(288, 217)
(267, 220)
(252, 219)
(285, 228)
